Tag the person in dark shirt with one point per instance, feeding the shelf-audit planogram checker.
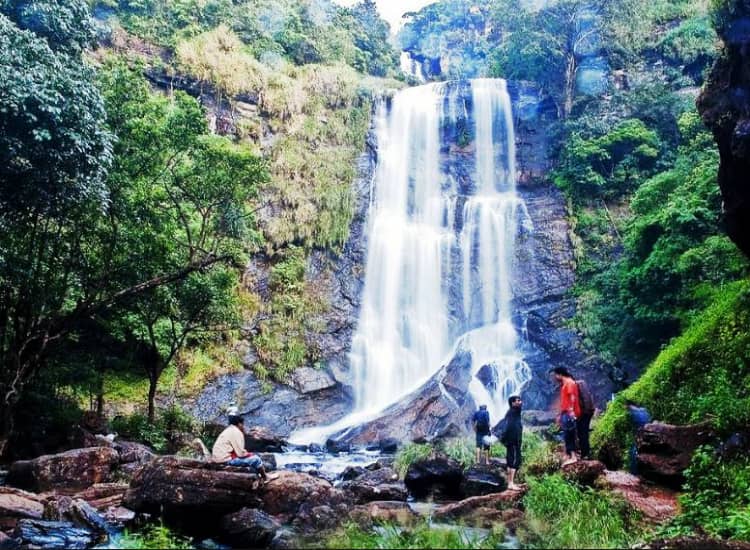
(511, 437)
(481, 421)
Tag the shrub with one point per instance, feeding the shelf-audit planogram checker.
(717, 497)
(562, 515)
(423, 535)
(153, 536)
(410, 453)
(460, 450)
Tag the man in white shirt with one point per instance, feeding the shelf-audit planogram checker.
(230, 447)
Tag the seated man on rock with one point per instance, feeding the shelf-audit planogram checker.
(230, 447)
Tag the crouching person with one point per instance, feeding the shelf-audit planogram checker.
(230, 448)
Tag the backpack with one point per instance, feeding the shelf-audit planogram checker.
(483, 421)
(585, 397)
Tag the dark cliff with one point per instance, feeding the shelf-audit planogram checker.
(725, 108)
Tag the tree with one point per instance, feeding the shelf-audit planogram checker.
(180, 208)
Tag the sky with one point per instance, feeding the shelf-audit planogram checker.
(392, 10)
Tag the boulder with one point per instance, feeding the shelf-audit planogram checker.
(381, 484)
(290, 490)
(37, 533)
(119, 515)
(132, 452)
(269, 461)
(657, 504)
(309, 380)
(375, 512)
(249, 528)
(71, 470)
(480, 480)
(352, 472)
(313, 519)
(192, 493)
(437, 475)
(483, 511)
(258, 439)
(665, 450)
(75, 511)
(583, 472)
(16, 504)
(335, 446)
(428, 413)
(104, 495)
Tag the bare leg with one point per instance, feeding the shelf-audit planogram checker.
(512, 478)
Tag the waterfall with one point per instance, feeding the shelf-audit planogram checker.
(441, 248)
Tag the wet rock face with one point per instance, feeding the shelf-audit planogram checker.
(724, 105)
(432, 411)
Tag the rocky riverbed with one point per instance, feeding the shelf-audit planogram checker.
(85, 497)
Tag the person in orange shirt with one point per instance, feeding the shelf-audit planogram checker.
(570, 410)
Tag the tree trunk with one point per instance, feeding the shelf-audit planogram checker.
(570, 83)
(152, 381)
(7, 422)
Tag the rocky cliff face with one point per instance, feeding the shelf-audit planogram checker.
(725, 108)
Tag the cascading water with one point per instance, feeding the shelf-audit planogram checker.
(440, 249)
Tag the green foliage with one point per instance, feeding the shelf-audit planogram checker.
(410, 453)
(702, 375)
(610, 165)
(716, 500)
(423, 535)
(691, 47)
(562, 515)
(538, 456)
(170, 422)
(657, 262)
(153, 536)
(460, 450)
(64, 25)
(300, 32)
(52, 132)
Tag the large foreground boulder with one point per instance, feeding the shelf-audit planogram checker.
(438, 475)
(665, 450)
(192, 492)
(72, 470)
